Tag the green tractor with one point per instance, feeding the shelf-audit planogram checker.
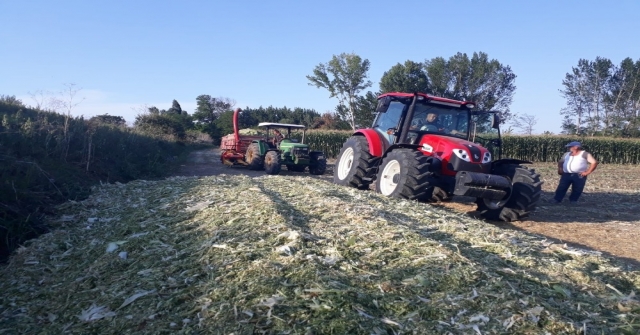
(293, 152)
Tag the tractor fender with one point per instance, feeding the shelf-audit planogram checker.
(509, 161)
(374, 140)
(264, 147)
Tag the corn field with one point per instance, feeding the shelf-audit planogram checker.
(532, 148)
(551, 148)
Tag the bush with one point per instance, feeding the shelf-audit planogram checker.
(47, 158)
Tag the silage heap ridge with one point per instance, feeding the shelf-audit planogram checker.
(296, 255)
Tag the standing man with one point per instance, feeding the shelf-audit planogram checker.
(573, 168)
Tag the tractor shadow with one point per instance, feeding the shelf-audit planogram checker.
(605, 222)
(593, 207)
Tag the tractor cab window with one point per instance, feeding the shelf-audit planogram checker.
(440, 120)
(482, 132)
(389, 120)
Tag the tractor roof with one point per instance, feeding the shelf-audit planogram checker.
(280, 125)
(431, 98)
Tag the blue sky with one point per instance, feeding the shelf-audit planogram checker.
(127, 54)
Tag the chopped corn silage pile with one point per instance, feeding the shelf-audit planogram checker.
(296, 255)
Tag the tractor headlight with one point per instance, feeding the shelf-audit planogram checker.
(487, 157)
(462, 154)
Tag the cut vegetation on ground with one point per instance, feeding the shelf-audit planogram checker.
(296, 255)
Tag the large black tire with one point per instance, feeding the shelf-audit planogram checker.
(272, 162)
(318, 164)
(296, 168)
(253, 157)
(404, 173)
(355, 165)
(524, 196)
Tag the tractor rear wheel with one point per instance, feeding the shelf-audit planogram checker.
(272, 162)
(526, 188)
(318, 164)
(253, 157)
(404, 173)
(296, 168)
(354, 166)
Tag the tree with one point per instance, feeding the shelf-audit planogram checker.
(486, 82)
(602, 98)
(409, 77)
(175, 108)
(107, 119)
(344, 76)
(331, 121)
(525, 123)
(11, 100)
(208, 110)
(363, 111)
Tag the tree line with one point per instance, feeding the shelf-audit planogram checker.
(602, 98)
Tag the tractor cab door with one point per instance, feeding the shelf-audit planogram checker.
(485, 131)
(387, 123)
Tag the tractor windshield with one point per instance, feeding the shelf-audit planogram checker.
(441, 120)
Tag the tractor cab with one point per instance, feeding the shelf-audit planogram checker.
(284, 137)
(445, 129)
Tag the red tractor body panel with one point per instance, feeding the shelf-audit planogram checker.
(442, 148)
(376, 148)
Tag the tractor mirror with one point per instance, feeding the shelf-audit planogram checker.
(495, 122)
(383, 105)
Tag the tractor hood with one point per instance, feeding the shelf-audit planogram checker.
(446, 146)
(286, 144)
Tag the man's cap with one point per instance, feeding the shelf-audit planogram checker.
(573, 144)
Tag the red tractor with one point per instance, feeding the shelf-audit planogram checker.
(428, 148)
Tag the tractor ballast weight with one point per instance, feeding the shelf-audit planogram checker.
(410, 154)
(248, 150)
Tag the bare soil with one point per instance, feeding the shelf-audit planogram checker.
(606, 219)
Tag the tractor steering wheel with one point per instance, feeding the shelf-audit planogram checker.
(429, 127)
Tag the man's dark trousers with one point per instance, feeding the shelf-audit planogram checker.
(576, 181)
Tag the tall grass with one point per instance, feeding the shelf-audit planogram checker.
(47, 158)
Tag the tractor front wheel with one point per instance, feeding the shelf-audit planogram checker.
(318, 164)
(404, 173)
(272, 162)
(253, 157)
(526, 188)
(354, 166)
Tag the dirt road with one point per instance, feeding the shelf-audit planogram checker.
(207, 163)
